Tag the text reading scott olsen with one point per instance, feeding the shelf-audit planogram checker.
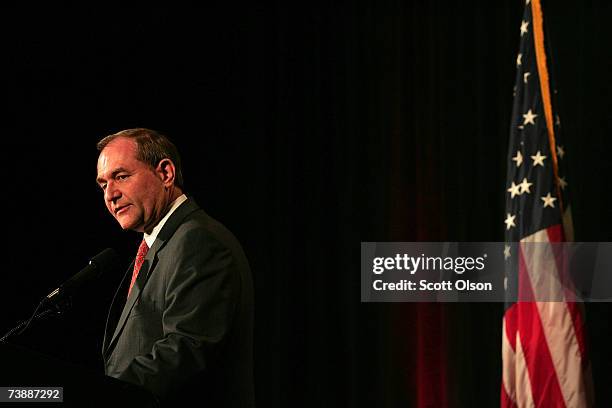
(431, 272)
(528, 271)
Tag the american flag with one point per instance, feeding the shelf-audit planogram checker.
(543, 343)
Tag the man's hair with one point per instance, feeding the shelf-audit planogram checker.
(152, 147)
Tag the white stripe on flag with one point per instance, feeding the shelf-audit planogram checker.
(556, 319)
(524, 396)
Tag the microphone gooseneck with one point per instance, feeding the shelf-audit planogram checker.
(60, 297)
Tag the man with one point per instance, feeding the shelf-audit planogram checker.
(185, 330)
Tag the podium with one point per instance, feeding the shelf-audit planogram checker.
(21, 367)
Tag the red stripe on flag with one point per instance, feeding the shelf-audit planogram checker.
(555, 233)
(506, 401)
(545, 387)
(511, 326)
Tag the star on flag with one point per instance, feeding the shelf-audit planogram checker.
(538, 159)
(529, 117)
(525, 186)
(518, 158)
(510, 221)
(549, 201)
(514, 190)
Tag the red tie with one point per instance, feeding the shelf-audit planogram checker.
(140, 256)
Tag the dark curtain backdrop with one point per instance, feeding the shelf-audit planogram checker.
(306, 129)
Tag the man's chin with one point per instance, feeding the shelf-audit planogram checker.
(128, 225)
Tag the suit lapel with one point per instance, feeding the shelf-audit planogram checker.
(113, 310)
(147, 267)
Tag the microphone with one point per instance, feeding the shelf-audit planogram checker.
(104, 261)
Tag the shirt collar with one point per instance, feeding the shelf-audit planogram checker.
(150, 238)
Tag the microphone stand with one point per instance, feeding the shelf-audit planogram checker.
(57, 308)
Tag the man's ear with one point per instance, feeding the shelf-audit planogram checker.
(166, 171)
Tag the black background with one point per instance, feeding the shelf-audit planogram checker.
(306, 130)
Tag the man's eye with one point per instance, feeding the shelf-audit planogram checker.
(103, 187)
(122, 177)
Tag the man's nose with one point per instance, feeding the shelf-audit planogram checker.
(111, 193)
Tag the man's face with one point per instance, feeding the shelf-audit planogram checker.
(133, 191)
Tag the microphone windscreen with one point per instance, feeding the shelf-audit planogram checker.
(106, 260)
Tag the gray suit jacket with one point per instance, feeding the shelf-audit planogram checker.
(186, 330)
